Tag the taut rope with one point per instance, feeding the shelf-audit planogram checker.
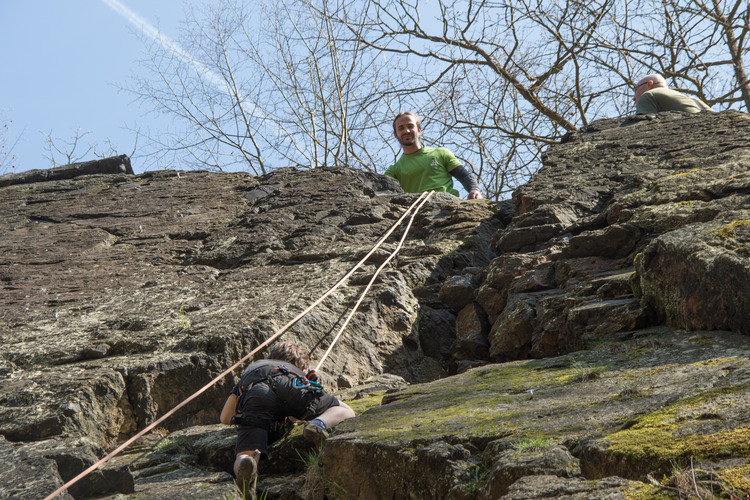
(374, 276)
(422, 198)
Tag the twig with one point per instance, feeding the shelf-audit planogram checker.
(695, 484)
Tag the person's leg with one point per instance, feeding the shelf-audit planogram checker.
(336, 414)
(318, 428)
(251, 444)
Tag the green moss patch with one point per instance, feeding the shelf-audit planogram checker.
(361, 405)
(486, 402)
(681, 174)
(649, 492)
(686, 203)
(662, 436)
(738, 478)
(532, 443)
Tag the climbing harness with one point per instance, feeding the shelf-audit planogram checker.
(421, 200)
(268, 371)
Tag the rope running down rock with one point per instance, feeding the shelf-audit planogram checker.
(374, 276)
(422, 198)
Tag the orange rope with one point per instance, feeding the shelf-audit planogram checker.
(374, 276)
(238, 363)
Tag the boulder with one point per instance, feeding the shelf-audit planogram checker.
(612, 415)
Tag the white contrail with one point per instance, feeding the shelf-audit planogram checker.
(170, 46)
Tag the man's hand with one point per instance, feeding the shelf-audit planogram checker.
(475, 195)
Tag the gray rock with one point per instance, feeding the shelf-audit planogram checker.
(472, 329)
(511, 465)
(660, 398)
(621, 266)
(696, 277)
(551, 486)
(458, 291)
(23, 475)
(113, 165)
(74, 455)
(119, 303)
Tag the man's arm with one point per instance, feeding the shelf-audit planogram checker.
(468, 182)
(391, 171)
(230, 407)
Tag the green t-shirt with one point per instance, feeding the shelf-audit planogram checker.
(425, 170)
(666, 99)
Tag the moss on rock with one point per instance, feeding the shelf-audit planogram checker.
(661, 436)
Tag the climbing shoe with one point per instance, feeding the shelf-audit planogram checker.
(316, 434)
(247, 477)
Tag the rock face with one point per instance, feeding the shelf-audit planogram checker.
(125, 294)
(588, 341)
(659, 195)
(113, 165)
(663, 398)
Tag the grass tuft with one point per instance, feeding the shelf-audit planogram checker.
(585, 371)
(533, 443)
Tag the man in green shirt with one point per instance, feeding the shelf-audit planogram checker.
(652, 94)
(422, 169)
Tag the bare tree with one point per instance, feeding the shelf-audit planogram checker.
(7, 155)
(502, 79)
(697, 45)
(201, 84)
(310, 83)
(724, 27)
(109, 148)
(499, 79)
(327, 77)
(258, 88)
(320, 88)
(66, 151)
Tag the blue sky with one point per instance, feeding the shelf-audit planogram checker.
(62, 65)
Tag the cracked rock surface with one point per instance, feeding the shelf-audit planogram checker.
(588, 340)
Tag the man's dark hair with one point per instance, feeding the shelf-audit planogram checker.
(407, 113)
(291, 353)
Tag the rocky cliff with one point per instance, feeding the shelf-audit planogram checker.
(588, 340)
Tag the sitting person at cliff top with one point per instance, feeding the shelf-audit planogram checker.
(652, 94)
(269, 391)
(421, 169)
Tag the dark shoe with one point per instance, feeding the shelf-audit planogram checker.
(247, 477)
(314, 434)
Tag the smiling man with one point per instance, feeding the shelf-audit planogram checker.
(652, 94)
(422, 169)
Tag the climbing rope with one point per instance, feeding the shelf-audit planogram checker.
(422, 198)
(374, 277)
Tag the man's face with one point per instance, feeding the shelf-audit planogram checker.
(407, 131)
(641, 87)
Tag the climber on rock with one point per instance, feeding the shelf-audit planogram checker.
(652, 94)
(269, 391)
(421, 169)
